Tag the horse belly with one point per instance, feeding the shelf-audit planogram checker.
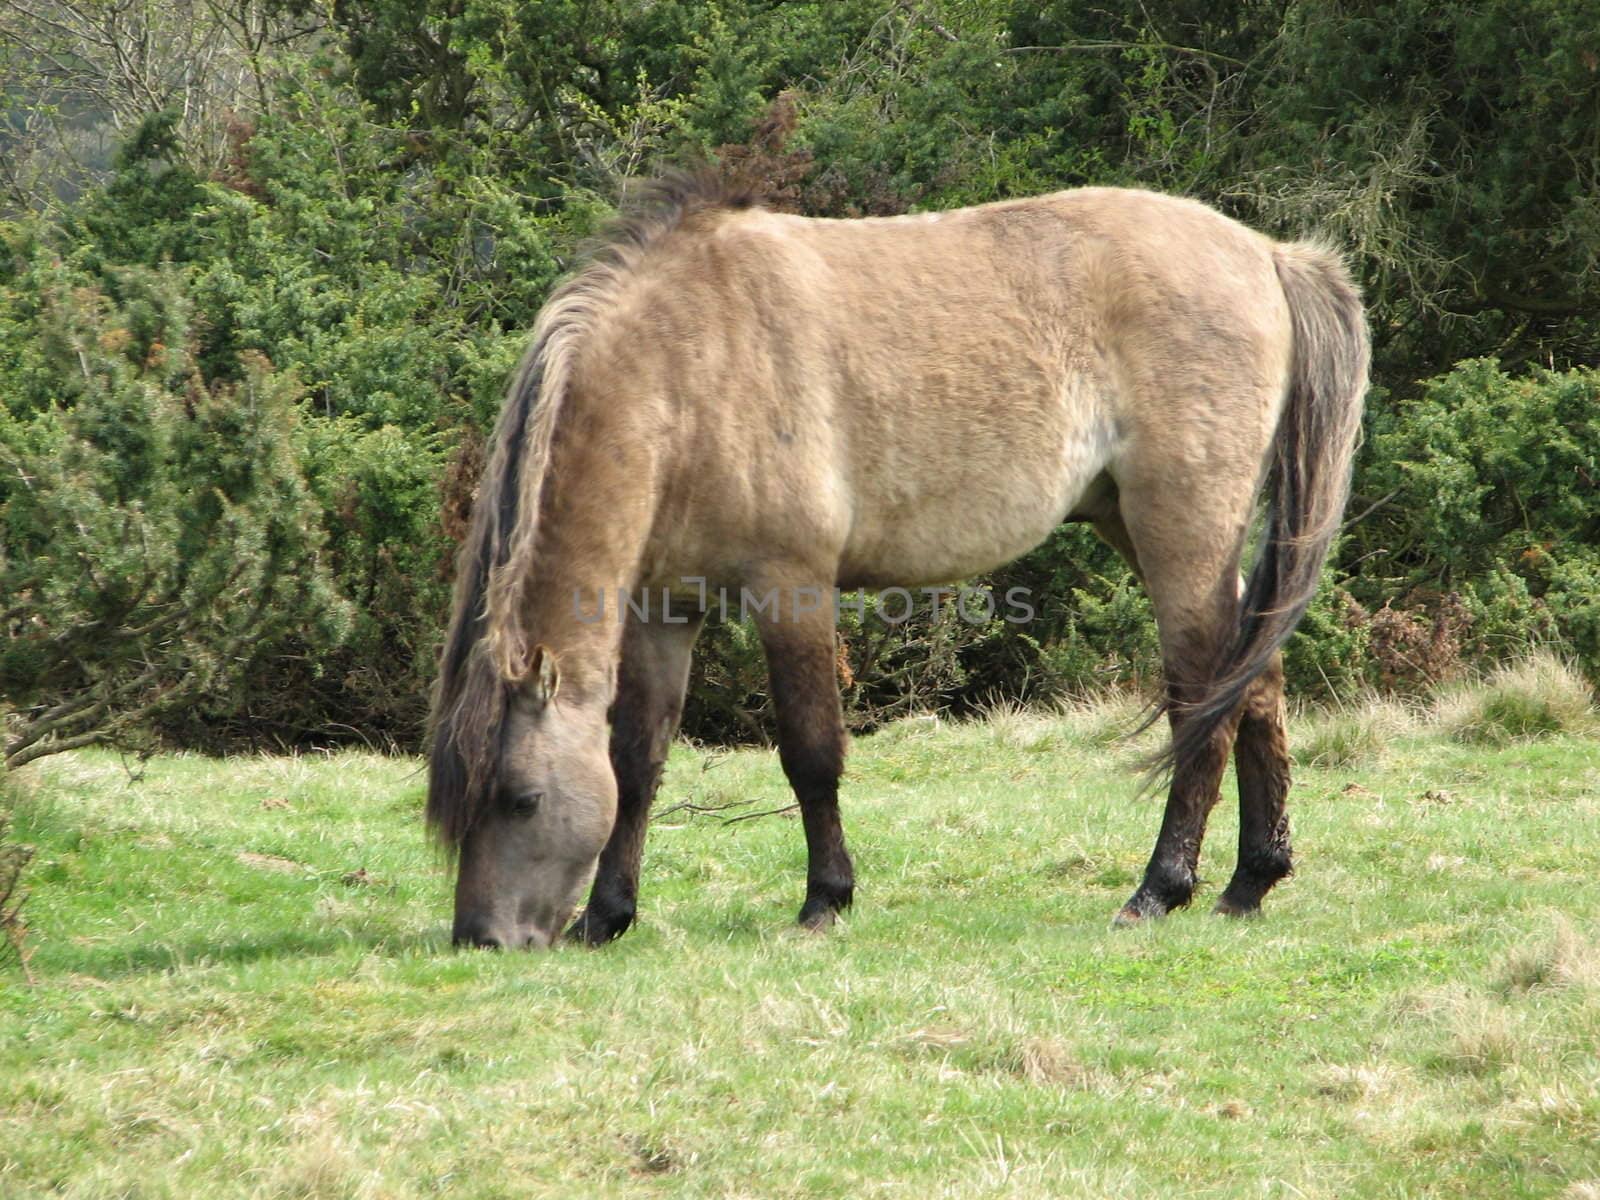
(985, 502)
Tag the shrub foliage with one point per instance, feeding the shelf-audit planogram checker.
(159, 536)
(248, 361)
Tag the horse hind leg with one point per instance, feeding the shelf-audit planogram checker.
(1261, 758)
(652, 679)
(1170, 876)
(1186, 543)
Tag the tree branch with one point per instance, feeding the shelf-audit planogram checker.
(1539, 306)
(1095, 47)
(35, 750)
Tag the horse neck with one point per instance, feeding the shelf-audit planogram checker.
(598, 506)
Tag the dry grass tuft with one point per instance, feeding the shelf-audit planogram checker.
(270, 862)
(1483, 1037)
(1364, 1082)
(1539, 697)
(1016, 727)
(323, 1167)
(1352, 735)
(1102, 719)
(937, 1038)
(1111, 717)
(1566, 958)
(1050, 1062)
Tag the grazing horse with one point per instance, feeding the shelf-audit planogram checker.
(726, 397)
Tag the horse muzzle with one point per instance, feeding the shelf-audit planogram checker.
(483, 934)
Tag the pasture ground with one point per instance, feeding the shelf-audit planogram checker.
(244, 988)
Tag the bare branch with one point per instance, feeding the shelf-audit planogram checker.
(923, 19)
(33, 750)
(208, 60)
(1100, 47)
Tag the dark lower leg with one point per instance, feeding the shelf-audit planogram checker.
(637, 759)
(1261, 757)
(811, 746)
(1169, 878)
(1188, 530)
(650, 687)
(830, 875)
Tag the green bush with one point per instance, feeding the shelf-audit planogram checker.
(157, 537)
(1487, 486)
(392, 304)
(368, 251)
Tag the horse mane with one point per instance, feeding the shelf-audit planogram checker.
(486, 654)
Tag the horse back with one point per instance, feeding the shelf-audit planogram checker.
(917, 399)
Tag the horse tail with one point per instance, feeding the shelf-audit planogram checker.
(1308, 479)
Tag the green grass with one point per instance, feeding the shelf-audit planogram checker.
(244, 987)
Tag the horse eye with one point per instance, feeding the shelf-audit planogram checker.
(526, 804)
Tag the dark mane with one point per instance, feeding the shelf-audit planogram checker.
(485, 650)
(652, 207)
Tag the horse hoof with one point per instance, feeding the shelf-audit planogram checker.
(1141, 908)
(824, 902)
(597, 928)
(819, 918)
(1129, 916)
(1235, 908)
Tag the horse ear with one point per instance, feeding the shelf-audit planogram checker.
(546, 675)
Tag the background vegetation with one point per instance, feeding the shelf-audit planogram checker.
(264, 265)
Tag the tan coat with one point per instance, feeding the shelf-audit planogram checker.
(761, 400)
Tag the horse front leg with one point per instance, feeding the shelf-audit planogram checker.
(802, 667)
(651, 681)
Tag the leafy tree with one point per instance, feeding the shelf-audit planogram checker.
(1455, 147)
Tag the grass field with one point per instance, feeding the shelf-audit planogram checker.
(244, 987)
